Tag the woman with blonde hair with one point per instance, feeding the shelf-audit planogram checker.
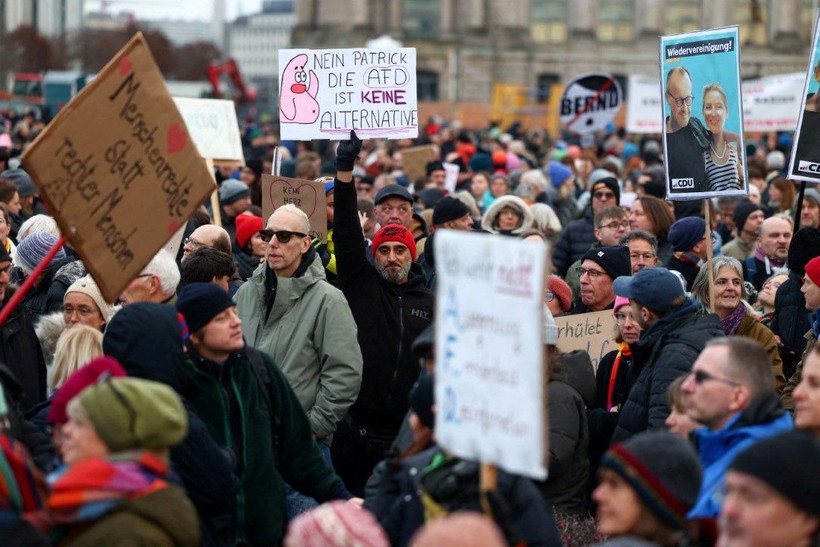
(75, 348)
(722, 160)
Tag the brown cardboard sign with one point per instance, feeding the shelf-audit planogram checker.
(118, 169)
(592, 332)
(307, 195)
(414, 161)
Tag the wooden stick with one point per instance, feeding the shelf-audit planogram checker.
(711, 277)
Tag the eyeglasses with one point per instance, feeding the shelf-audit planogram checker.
(82, 311)
(767, 285)
(593, 274)
(191, 242)
(614, 225)
(549, 296)
(282, 236)
(680, 101)
(603, 195)
(642, 256)
(701, 376)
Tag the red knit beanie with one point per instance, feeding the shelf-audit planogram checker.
(246, 226)
(78, 381)
(813, 270)
(394, 232)
(562, 292)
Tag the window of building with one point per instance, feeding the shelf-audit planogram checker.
(616, 20)
(544, 85)
(753, 18)
(681, 16)
(549, 21)
(421, 18)
(427, 85)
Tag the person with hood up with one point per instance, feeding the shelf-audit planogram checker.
(508, 215)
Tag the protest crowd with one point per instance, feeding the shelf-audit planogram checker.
(263, 387)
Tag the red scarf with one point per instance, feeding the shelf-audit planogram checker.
(623, 351)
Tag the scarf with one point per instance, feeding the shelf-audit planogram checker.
(731, 322)
(22, 488)
(88, 490)
(771, 263)
(623, 351)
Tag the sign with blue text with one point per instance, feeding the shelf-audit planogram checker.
(324, 93)
(490, 367)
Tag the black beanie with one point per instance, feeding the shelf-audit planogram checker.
(741, 213)
(662, 469)
(421, 400)
(608, 182)
(804, 246)
(200, 302)
(614, 260)
(447, 209)
(789, 463)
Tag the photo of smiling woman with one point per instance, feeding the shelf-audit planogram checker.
(721, 160)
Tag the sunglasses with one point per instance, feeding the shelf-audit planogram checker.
(282, 236)
(701, 376)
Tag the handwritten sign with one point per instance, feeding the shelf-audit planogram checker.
(592, 332)
(213, 127)
(118, 169)
(489, 392)
(414, 161)
(643, 107)
(307, 195)
(324, 93)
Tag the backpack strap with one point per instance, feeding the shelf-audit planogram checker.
(260, 371)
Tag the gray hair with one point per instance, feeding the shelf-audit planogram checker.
(38, 223)
(700, 286)
(164, 266)
(294, 210)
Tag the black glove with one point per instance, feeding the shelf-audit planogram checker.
(348, 152)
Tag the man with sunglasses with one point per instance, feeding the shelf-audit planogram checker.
(290, 312)
(730, 390)
(391, 306)
(674, 333)
(686, 137)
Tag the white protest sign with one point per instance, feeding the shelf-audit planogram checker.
(489, 388)
(772, 103)
(590, 102)
(644, 112)
(213, 127)
(324, 93)
(451, 179)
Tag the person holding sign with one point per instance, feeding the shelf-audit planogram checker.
(391, 307)
(686, 138)
(724, 173)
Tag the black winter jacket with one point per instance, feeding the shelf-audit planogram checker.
(389, 317)
(20, 350)
(574, 241)
(790, 322)
(665, 351)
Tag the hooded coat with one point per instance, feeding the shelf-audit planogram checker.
(490, 220)
(665, 352)
(147, 340)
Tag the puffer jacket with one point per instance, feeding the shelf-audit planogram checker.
(389, 317)
(311, 335)
(665, 352)
(790, 322)
(575, 239)
(490, 220)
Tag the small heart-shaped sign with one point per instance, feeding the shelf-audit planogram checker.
(125, 66)
(173, 226)
(177, 138)
(298, 190)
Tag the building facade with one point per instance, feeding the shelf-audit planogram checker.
(465, 48)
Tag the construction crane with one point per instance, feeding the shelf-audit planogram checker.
(229, 68)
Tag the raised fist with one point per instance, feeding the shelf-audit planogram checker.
(348, 152)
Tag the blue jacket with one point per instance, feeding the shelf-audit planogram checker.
(763, 418)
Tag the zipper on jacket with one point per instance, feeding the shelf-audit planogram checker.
(401, 347)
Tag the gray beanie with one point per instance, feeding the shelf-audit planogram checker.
(231, 190)
(32, 250)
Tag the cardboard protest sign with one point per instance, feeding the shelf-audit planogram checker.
(414, 161)
(118, 169)
(772, 103)
(805, 158)
(592, 332)
(703, 126)
(307, 195)
(490, 366)
(324, 93)
(590, 102)
(643, 105)
(213, 127)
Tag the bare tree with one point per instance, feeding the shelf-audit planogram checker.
(193, 59)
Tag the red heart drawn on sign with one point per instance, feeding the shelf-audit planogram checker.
(297, 190)
(173, 226)
(177, 139)
(125, 66)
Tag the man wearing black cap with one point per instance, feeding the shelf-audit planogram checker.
(394, 205)
(689, 246)
(674, 333)
(449, 213)
(747, 217)
(599, 268)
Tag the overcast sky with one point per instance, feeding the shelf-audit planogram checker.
(176, 9)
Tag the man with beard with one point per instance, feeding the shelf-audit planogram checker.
(391, 307)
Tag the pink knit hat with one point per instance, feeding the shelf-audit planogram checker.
(619, 302)
(336, 524)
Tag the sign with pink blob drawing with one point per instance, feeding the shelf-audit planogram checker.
(324, 93)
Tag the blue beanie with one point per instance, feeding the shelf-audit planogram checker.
(686, 233)
(200, 302)
(34, 248)
(558, 173)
